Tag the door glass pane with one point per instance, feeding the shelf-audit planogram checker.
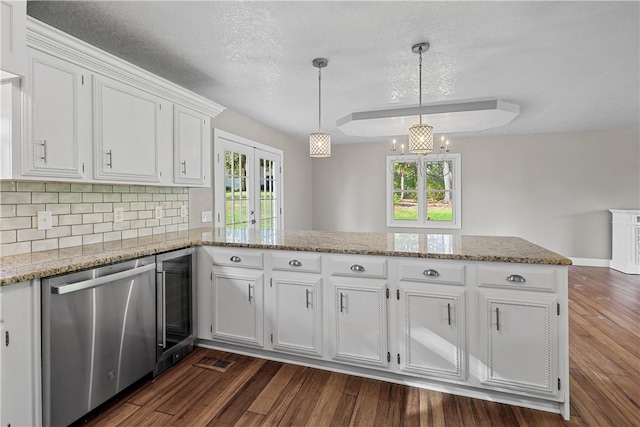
(237, 194)
(405, 194)
(268, 193)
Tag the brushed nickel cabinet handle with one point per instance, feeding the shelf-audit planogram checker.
(184, 167)
(358, 268)
(44, 150)
(235, 259)
(341, 302)
(249, 291)
(449, 312)
(515, 278)
(431, 273)
(307, 292)
(497, 318)
(295, 263)
(110, 159)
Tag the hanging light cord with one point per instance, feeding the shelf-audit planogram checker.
(420, 84)
(319, 96)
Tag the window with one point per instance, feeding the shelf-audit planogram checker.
(424, 191)
(248, 183)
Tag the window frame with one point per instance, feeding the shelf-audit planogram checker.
(422, 221)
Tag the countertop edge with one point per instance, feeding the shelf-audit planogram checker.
(105, 256)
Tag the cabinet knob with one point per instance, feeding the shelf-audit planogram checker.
(235, 259)
(516, 278)
(431, 273)
(357, 267)
(295, 263)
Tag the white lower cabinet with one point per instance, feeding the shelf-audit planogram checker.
(297, 314)
(519, 330)
(431, 330)
(19, 355)
(238, 306)
(359, 319)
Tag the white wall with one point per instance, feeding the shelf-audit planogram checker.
(551, 189)
(296, 170)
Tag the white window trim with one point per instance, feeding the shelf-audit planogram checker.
(222, 140)
(422, 222)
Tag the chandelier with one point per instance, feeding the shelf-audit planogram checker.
(421, 134)
(319, 142)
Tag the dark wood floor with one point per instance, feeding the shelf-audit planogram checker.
(604, 373)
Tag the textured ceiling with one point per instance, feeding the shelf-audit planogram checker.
(570, 66)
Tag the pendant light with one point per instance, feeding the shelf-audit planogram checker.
(420, 135)
(320, 143)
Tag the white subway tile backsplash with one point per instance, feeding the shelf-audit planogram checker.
(78, 208)
(92, 197)
(7, 198)
(83, 213)
(43, 197)
(15, 223)
(91, 239)
(65, 242)
(15, 248)
(44, 245)
(70, 197)
(29, 210)
(62, 231)
(91, 218)
(8, 236)
(73, 219)
(30, 234)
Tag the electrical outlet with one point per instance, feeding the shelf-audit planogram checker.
(183, 211)
(158, 212)
(44, 220)
(118, 215)
(206, 216)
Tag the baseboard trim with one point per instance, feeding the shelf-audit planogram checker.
(590, 262)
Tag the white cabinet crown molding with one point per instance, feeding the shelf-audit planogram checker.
(44, 37)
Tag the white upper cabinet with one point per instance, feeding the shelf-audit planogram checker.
(13, 18)
(93, 117)
(126, 126)
(58, 113)
(191, 145)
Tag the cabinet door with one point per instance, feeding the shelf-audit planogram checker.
(17, 350)
(297, 315)
(13, 30)
(238, 307)
(57, 108)
(191, 135)
(520, 334)
(126, 126)
(432, 330)
(360, 322)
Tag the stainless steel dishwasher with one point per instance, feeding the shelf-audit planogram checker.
(98, 336)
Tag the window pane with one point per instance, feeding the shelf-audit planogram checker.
(405, 205)
(439, 206)
(439, 175)
(405, 176)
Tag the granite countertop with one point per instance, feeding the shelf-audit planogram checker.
(18, 268)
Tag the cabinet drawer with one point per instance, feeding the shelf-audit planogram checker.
(302, 262)
(359, 267)
(432, 272)
(517, 277)
(238, 258)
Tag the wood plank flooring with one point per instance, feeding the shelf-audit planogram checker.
(604, 374)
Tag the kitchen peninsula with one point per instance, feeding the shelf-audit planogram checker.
(480, 316)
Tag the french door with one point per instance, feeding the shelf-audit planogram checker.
(248, 183)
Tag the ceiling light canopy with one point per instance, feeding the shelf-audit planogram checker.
(319, 142)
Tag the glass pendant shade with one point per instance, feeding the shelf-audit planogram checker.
(420, 139)
(320, 145)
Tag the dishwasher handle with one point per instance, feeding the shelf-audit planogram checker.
(92, 283)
